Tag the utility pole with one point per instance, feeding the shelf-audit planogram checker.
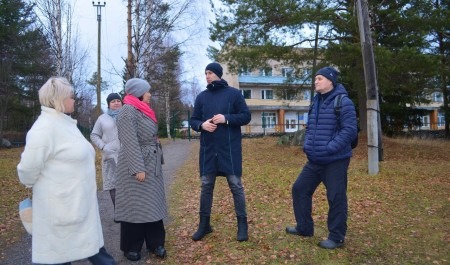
(130, 57)
(99, 76)
(373, 108)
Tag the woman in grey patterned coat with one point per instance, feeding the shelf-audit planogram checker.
(104, 136)
(140, 196)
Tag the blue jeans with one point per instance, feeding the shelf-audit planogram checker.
(101, 258)
(334, 177)
(206, 196)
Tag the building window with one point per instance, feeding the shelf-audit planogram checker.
(287, 71)
(268, 120)
(247, 93)
(307, 95)
(265, 71)
(303, 118)
(288, 93)
(437, 97)
(441, 119)
(307, 72)
(425, 120)
(245, 71)
(267, 94)
(293, 124)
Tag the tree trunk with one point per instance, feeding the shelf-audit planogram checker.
(58, 38)
(167, 108)
(316, 45)
(130, 64)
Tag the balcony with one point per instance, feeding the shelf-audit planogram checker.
(276, 104)
(274, 80)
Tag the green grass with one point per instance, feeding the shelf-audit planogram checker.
(11, 193)
(400, 216)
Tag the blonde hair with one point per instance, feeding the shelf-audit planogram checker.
(53, 93)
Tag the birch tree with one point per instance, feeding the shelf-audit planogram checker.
(155, 52)
(56, 19)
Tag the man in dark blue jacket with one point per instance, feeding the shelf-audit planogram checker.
(219, 113)
(328, 149)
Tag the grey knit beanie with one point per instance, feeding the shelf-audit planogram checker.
(136, 87)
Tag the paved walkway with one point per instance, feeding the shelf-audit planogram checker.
(175, 153)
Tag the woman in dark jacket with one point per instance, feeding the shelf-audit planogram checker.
(219, 113)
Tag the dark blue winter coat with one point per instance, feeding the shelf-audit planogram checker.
(221, 150)
(325, 140)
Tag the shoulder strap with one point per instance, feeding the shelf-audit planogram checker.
(337, 111)
(337, 105)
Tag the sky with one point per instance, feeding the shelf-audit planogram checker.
(114, 38)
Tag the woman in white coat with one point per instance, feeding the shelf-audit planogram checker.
(104, 136)
(58, 163)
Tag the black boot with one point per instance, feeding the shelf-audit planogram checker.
(160, 252)
(242, 234)
(204, 228)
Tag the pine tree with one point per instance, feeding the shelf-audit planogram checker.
(25, 64)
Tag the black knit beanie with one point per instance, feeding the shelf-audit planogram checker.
(329, 73)
(215, 68)
(113, 96)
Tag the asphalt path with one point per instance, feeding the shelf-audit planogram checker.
(175, 154)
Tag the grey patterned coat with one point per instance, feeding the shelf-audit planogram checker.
(139, 202)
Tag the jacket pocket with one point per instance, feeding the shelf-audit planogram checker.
(150, 158)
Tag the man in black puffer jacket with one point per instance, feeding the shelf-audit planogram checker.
(219, 113)
(328, 148)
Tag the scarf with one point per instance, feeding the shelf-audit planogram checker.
(113, 113)
(141, 106)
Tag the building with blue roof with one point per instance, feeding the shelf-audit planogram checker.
(277, 97)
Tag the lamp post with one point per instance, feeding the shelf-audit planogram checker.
(99, 78)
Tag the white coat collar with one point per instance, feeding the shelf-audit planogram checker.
(52, 112)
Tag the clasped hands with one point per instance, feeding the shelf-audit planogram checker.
(140, 176)
(210, 125)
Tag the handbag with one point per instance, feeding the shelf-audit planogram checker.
(26, 214)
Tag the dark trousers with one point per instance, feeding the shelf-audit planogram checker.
(206, 196)
(132, 236)
(101, 258)
(334, 177)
